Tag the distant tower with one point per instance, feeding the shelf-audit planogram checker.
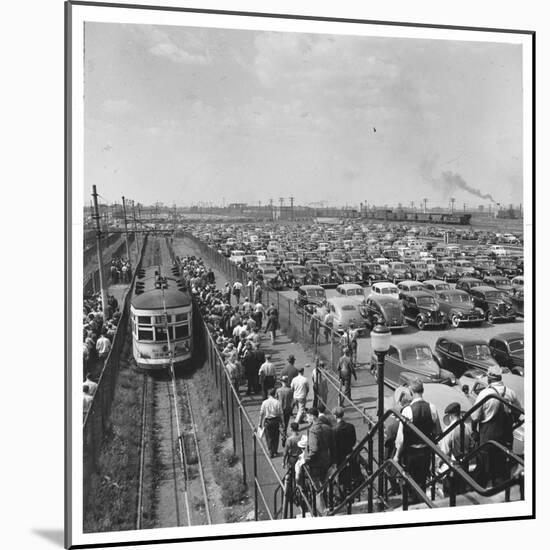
(291, 208)
(425, 207)
(452, 201)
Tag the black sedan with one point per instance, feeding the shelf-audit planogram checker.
(420, 307)
(459, 307)
(507, 348)
(496, 304)
(409, 361)
(459, 355)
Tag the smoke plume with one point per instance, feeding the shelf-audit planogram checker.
(448, 182)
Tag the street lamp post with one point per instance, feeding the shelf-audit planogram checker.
(380, 342)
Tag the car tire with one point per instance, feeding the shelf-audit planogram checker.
(374, 371)
(490, 317)
(455, 321)
(420, 323)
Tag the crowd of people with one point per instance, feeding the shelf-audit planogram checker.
(121, 271)
(99, 328)
(238, 323)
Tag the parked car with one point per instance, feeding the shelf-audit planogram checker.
(406, 362)
(459, 355)
(459, 307)
(372, 273)
(499, 282)
(507, 348)
(446, 272)
(383, 309)
(420, 308)
(320, 273)
(435, 285)
(345, 310)
(464, 268)
(351, 290)
(398, 271)
(485, 268)
(348, 272)
(517, 282)
(496, 304)
(516, 299)
(467, 283)
(310, 297)
(295, 275)
(385, 288)
(409, 286)
(508, 268)
(419, 270)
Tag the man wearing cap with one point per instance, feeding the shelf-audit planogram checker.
(414, 453)
(285, 397)
(300, 388)
(271, 418)
(289, 370)
(494, 424)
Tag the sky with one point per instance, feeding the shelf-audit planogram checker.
(187, 115)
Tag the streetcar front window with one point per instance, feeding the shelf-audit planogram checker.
(181, 317)
(182, 331)
(145, 334)
(161, 335)
(144, 320)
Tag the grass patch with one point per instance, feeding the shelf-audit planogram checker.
(112, 500)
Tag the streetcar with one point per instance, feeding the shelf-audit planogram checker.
(161, 316)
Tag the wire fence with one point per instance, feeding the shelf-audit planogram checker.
(96, 421)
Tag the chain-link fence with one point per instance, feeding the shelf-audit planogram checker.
(96, 421)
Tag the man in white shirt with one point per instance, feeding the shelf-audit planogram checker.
(271, 419)
(300, 386)
(267, 375)
(103, 347)
(237, 287)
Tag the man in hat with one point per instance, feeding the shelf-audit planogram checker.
(410, 448)
(271, 418)
(300, 387)
(292, 450)
(285, 396)
(455, 444)
(289, 370)
(495, 423)
(344, 441)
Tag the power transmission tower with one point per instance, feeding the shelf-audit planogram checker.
(126, 228)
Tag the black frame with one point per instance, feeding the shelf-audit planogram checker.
(68, 263)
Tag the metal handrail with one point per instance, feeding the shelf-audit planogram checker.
(426, 440)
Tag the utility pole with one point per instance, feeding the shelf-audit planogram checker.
(95, 216)
(425, 203)
(271, 207)
(281, 200)
(126, 229)
(135, 231)
(452, 205)
(292, 208)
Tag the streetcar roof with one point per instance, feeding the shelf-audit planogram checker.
(153, 299)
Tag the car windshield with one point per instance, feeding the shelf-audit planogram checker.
(399, 266)
(415, 287)
(299, 270)
(443, 286)
(349, 307)
(516, 345)
(425, 301)
(388, 290)
(374, 267)
(323, 269)
(503, 282)
(418, 353)
(316, 293)
(493, 295)
(348, 268)
(355, 292)
(459, 299)
(477, 351)
(421, 266)
(270, 271)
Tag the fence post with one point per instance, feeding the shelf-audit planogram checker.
(243, 455)
(255, 476)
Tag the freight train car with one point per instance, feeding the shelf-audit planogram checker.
(446, 218)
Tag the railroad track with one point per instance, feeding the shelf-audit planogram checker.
(171, 484)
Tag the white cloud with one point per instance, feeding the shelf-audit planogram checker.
(176, 54)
